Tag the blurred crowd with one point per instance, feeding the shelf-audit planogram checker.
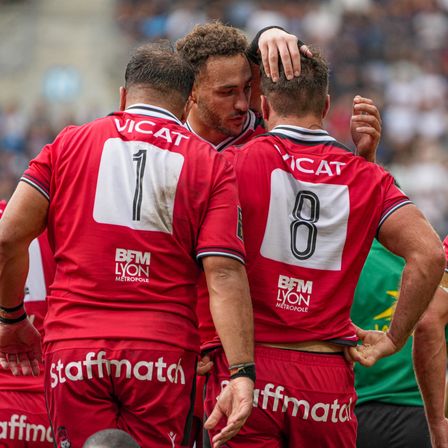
(393, 51)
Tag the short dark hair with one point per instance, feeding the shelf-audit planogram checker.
(211, 39)
(158, 67)
(301, 95)
(110, 438)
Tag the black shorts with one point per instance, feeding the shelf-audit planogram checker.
(383, 425)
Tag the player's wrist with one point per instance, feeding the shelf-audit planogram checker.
(12, 315)
(395, 341)
(243, 370)
(16, 320)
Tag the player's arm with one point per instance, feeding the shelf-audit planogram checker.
(231, 309)
(23, 220)
(430, 363)
(408, 234)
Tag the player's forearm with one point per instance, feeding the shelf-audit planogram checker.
(421, 276)
(429, 353)
(430, 368)
(231, 309)
(13, 272)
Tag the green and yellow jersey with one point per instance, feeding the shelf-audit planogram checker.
(392, 379)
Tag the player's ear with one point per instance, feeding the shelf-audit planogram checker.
(193, 95)
(187, 109)
(123, 94)
(327, 106)
(265, 108)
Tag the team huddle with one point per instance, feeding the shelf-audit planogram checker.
(190, 260)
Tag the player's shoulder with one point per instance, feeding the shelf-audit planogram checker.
(70, 132)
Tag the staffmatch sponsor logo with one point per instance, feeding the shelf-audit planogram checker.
(96, 365)
(132, 266)
(294, 294)
(273, 398)
(18, 428)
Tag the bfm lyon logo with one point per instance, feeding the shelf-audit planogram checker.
(294, 294)
(132, 266)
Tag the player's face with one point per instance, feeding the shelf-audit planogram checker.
(223, 93)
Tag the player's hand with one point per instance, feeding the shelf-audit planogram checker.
(439, 433)
(375, 345)
(204, 365)
(276, 41)
(20, 348)
(234, 402)
(365, 126)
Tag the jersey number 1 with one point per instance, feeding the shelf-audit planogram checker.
(140, 158)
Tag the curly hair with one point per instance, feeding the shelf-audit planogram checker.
(302, 95)
(211, 39)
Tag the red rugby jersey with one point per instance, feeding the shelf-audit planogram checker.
(253, 126)
(445, 245)
(40, 276)
(310, 212)
(135, 201)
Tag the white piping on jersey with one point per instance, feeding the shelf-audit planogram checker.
(220, 254)
(249, 125)
(304, 134)
(36, 186)
(152, 111)
(391, 210)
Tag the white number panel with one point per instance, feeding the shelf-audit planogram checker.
(307, 223)
(137, 185)
(35, 282)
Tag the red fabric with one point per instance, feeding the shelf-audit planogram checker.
(123, 268)
(252, 128)
(40, 275)
(301, 400)
(445, 245)
(24, 421)
(310, 212)
(149, 396)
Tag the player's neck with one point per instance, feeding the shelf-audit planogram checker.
(308, 122)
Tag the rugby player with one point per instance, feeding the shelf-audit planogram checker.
(310, 210)
(133, 203)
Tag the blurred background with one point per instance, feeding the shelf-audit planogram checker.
(62, 62)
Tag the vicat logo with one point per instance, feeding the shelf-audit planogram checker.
(132, 265)
(293, 293)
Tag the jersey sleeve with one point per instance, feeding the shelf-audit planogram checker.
(39, 172)
(221, 232)
(394, 198)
